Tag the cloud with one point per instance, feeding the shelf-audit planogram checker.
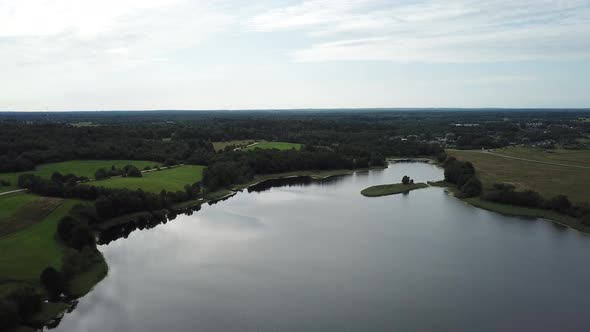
(38, 32)
(435, 31)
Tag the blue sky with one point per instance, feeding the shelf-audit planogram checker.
(181, 54)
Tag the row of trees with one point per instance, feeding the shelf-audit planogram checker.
(127, 171)
(239, 167)
(505, 194)
(109, 202)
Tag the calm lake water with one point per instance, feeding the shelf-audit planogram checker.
(321, 257)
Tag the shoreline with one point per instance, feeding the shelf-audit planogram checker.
(516, 211)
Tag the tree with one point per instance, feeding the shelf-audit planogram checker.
(101, 174)
(559, 203)
(9, 317)
(27, 301)
(472, 187)
(406, 179)
(132, 171)
(52, 281)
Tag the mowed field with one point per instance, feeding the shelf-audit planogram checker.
(534, 173)
(173, 179)
(274, 145)
(77, 167)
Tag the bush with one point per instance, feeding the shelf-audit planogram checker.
(472, 188)
(559, 203)
(52, 281)
(9, 317)
(27, 301)
(406, 179)
(4, 183)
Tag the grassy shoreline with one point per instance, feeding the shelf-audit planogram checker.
(515, 211)
(391, 189)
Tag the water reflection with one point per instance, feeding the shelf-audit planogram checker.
(319, 256)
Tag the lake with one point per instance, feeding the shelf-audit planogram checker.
(318, 256)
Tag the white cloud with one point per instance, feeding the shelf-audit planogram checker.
(435, 31)
(38, 32)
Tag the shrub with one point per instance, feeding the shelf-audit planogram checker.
(52, 281)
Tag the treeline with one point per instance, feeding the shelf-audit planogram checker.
(109, 202)
(25, 145)
(239, 167)
(127, 171)
(461, 174)
(505, 194)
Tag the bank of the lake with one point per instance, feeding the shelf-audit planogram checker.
(514, 210)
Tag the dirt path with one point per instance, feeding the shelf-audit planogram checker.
(13, 192)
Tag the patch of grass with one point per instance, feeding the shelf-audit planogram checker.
(29, 214)
(26, 253)
(78, 167)
(9, 204)
(173, 179)
(274, 145)
(83, 283)
(391, 189)
(220, 146)
(548, 180)
(559, 156)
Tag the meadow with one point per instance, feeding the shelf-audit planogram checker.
(26, 253)
(548, 180)
(274, 145)
(173, 179)
(78, 167)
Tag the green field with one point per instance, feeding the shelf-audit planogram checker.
(26, 253)
(9, 204)
(274, 145)
(558, 156)
(77, 167)
(168, 179)
(548, 180)
(391, 189)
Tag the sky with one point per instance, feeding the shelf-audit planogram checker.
(236, 54)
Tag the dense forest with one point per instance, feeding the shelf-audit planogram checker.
(187, 136)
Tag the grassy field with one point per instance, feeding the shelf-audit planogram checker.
(558, 156)
(34, 210)
(274, 145)
(391, 189)
(77, 167)
(548, 180)
(26, 253)
(169, 179)
(9, 204)
(219, 146)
